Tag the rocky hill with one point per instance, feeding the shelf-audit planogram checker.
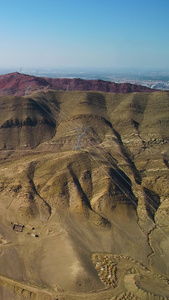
(20, 84)
(84, 195)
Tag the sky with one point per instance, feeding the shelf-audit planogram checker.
(84, 33)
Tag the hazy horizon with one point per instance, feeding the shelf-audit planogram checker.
(81, 70)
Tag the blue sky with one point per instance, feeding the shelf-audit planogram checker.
(84, 33)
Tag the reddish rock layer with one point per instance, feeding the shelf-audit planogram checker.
(21, 84)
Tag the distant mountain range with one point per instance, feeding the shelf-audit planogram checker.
(22, 84)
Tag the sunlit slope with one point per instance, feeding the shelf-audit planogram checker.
(84, 172)
(24, 123)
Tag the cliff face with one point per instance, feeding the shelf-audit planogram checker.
(86, 173)
(21, 84)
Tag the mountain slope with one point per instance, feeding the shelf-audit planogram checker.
(86, 173)
(21, 84)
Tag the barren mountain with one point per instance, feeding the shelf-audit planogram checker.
(21, 84)
(84, 195)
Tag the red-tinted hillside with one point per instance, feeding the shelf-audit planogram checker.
(21, 84)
